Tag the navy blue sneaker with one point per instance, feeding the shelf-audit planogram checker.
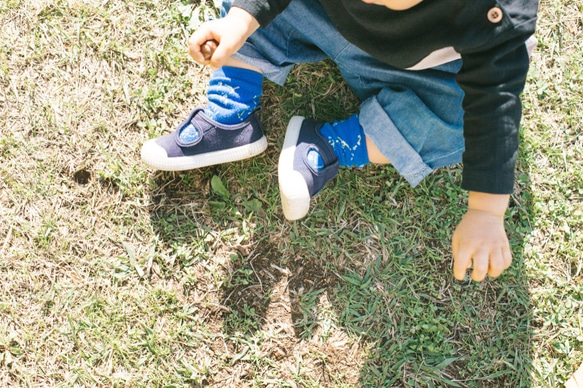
(306, 164)
(200, 141)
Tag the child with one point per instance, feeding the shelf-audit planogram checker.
(439, 82)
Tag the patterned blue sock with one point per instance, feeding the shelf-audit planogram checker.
(348, 141)
(233, 94)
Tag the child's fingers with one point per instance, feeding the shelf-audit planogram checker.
(196, 44)
(496, 264)
(220, 56)
(461, 260)
(195, 51)
(481, 264)
(223, 52)
(506, 256)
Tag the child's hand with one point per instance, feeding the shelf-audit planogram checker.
(480, 240)
(230, 33)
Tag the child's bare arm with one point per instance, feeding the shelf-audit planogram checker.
(229, 33)
(480, 240)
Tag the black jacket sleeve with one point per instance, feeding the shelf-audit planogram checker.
(492, 80)
(263, 10)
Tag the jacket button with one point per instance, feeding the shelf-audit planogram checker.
(495, 15)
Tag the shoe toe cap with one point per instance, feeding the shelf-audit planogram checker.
(153, 153)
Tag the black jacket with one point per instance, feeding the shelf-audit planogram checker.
(490, 37)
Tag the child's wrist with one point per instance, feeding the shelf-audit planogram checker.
(495, 204)
(246, 18)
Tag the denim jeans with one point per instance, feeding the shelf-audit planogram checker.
(414, 118)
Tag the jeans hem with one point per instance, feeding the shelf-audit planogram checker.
(379, 127)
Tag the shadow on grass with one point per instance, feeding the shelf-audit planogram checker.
(388, 280)
(380, 252)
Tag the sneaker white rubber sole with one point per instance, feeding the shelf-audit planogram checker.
(155, 156)
(293, 190)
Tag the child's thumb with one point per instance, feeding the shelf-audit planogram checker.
(220, 56)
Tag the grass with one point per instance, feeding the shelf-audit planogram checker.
(116, 275)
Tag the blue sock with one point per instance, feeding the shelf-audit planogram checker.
(348, 141)
(233, 94)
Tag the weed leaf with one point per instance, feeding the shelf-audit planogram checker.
(219, 188)
(252, 206)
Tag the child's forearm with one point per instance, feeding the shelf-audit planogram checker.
(495, 204)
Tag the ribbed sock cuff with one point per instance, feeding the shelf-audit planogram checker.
(233, 94)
